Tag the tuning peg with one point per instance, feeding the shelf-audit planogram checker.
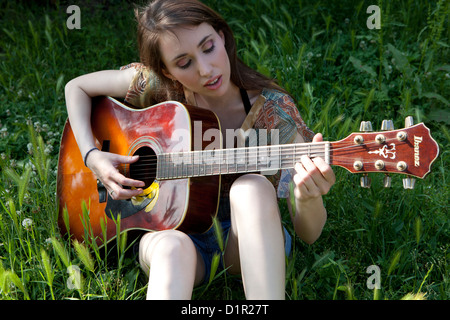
(365, 181)
(408, 182)
(387, 181)
(387, 125)
(366, 126)
(409, 121)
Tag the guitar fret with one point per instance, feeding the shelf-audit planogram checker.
(227, 163)
(170, 168)
(166, 168)
(293, 156)
(246, 160)
(183, 170)
(235, 161)
(256, 158)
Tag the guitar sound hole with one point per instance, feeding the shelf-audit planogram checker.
(145, 168)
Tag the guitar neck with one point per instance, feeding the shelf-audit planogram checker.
(409, 151)
(237, 160)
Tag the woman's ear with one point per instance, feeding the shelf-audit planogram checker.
(167, 74)
(222, 36)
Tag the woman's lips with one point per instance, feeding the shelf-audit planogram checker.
(214, 83)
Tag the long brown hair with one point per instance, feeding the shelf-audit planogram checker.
(161, 16)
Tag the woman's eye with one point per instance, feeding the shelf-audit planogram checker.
(184, 64)
(209, 47)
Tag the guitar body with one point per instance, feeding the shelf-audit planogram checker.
(186, 204)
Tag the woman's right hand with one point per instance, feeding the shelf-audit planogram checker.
(105, 166)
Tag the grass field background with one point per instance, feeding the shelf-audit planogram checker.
(339, 71)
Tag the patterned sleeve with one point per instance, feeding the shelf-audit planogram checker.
(280, 112)
(145, 88)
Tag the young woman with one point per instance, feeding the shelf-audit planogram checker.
(188, 53)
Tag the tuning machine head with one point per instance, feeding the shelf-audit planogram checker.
(365, 126)
(409, 183)
(365, 181)
(387, 125)
(387, 181)
(409, 121)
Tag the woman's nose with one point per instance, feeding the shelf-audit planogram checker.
(204, 68)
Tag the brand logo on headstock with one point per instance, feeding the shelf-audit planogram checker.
(386, 152)
(417, 141)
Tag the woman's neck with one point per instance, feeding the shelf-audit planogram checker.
(230, 100)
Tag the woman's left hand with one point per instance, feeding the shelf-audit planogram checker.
(313, 178)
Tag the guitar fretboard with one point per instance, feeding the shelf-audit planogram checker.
(237, 160)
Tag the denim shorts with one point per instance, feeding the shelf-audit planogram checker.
(206, 243)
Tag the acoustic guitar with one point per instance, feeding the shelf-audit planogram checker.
(181, 163)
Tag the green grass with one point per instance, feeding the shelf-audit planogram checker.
(339, 72)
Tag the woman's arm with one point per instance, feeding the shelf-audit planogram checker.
(79, 92)
(313, 178)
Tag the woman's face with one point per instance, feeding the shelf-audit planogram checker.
(196, 57)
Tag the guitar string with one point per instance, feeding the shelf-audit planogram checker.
(172, 170)
(285, 156)
(285, 148)
(174, 173)
(231, 168)
(226, 153)
(238, 151)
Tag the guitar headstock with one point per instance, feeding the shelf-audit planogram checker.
(409, 151)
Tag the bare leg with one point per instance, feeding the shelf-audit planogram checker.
(255, 245)
(173, 264)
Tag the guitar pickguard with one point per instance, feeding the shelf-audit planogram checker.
(126, 208)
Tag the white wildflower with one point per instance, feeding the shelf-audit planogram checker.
(48, 149)
(27, 223)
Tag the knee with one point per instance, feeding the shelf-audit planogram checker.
(174, 244)
(168, 245)
(253, 199)
(252, 187)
